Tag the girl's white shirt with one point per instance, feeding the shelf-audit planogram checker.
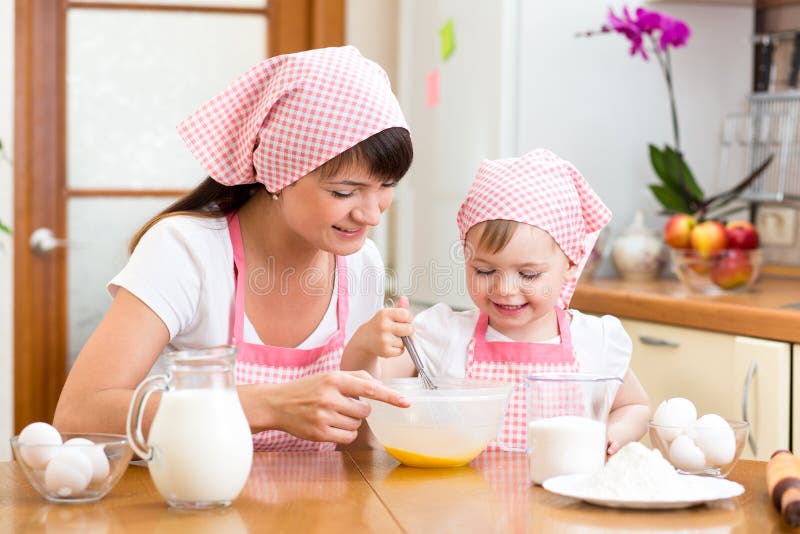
(182, 269)
(601, 344)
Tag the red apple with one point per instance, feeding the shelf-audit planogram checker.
(678, 229)
(741, 235)
(707, 237)
(732, 270)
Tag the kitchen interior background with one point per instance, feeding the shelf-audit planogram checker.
(518, 79)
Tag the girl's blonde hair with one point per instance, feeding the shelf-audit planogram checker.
(496, 234)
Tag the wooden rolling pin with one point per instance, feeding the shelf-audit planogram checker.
(783, 484)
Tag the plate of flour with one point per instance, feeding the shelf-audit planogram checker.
(637, 477)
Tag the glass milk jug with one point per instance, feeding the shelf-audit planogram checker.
(567, 415)
(199, 450)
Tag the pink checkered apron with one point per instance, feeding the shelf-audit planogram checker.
(264, 364)
(511, 362)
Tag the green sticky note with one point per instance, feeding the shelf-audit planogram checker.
(447, 35)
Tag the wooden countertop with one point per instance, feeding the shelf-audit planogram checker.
(761, 313)
(368, 491)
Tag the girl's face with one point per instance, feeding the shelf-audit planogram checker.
(334, 213)
(518, 287)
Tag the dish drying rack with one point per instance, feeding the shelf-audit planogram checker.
(770, 127)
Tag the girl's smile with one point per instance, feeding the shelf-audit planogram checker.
(509, 309)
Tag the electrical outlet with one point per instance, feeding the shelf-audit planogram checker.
(777, 225)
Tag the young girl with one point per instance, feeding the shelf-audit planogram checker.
(528, 225)
(302, 153)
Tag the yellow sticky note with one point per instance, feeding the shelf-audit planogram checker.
(447, 36)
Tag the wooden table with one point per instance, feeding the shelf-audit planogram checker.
(368, 491)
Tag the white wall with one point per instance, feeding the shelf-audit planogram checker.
(371, 26)
(6, 215)
(521, 79)
(593, 104)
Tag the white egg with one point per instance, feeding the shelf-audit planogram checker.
(676, 412)
(96, 455)
(38, 434)
(685, 455)
(68, 473)
(715, 438)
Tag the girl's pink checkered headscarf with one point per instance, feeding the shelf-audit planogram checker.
(542, 190)
(290, 114)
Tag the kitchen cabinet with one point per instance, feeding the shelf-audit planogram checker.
(733, 376)
(796, 400)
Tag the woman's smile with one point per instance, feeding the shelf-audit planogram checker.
(350, 232)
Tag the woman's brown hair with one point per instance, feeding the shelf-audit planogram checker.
(387, 155)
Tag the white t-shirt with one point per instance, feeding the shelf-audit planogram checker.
(601, 344)
(182, 269)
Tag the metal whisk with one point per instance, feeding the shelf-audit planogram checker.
(412, 351)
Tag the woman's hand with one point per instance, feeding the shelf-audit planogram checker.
(323, 407)
(380, 336)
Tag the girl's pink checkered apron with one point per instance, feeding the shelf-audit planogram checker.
(511, 361)
(264, 364)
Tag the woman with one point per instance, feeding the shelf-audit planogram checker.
(302, 153)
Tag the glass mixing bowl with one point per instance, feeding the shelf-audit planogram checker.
(445, 427)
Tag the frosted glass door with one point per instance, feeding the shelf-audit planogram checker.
(132, 75)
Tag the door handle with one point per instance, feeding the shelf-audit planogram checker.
(650, 340)
(745, 394)
(43, 241)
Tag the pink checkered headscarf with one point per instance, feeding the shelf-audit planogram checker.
(290, 114)
(542, 190)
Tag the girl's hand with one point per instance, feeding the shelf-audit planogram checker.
(323, 407)
(380, 336)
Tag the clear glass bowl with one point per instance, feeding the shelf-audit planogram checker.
(445, 427)
(709, 438)
(60, 484)
(721, 271)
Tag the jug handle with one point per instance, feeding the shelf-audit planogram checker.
(136, 410)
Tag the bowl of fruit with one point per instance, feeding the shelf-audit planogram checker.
(711, 257)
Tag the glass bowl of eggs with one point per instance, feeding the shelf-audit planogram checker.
(70, 467)
(709, 445)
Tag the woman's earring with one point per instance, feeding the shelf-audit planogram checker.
(274, 196)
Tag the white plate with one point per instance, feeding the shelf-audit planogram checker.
(703, 490)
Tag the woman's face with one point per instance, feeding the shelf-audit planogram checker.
(334, 213)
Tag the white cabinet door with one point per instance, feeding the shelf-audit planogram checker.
(761, 386)
(712, 370)
(796, 400)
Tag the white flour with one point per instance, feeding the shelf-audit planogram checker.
(640, 474)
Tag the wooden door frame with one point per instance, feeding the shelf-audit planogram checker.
(40, 282)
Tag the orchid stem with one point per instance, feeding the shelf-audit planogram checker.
(668, 75)
(666, 67)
